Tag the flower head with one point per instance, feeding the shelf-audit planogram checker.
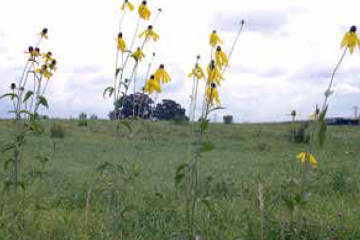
(307, 157)
(162, 75)
(128, 5)
(47, 57)
(197, 72)
(351, 39)
(212, 94)
(214, 74)
(152, 85)
(121, 45)
(52, 65)
(43, 33)
(138, 54)
(149, 32)
(13, 86)
(44, 71)
(221, 58)
(144, 11)
(36, 52)
(214, 39)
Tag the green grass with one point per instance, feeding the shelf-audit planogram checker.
(245, 155)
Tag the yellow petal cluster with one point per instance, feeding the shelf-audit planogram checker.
(152, 85)
(215, 39)
(161, 75)
(220, 58)
(307, 157)
(138, 55)
(127, 5)
(351, 40)
(144, 11)
(214, 75)
(213, 95)
(121, 45)
(149, 32)
(197, 72)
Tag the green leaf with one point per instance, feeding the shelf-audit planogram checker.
(117, 72)
(28, 95)
(322, 128)
(8, 162)
(110, 90)
(7, 147)
(207, 146)
(129, 208)
(34, 126)
(11, 95)
(207, 202)
(43, 101)
(204, 125)
(180, 174)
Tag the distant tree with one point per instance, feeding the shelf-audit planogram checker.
(228, 119)
(138, 104)
(169, 110)
(82, 116)
(94, 117)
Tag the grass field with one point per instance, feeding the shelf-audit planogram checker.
(137, 199)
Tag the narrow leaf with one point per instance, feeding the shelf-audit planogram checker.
(28, 95)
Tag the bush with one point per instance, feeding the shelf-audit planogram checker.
(57, 131)
(180, 120)
(94, 117)
(228, 119)
(82, 123)
(82, 116)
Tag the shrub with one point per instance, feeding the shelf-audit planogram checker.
(94, 117)
(82, 116)
(57, 131)
(82, 123)
(228, 119)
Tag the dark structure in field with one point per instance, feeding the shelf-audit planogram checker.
(342, 121)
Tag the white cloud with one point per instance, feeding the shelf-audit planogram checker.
(283, 61)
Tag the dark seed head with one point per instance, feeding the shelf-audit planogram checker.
(120, 35)
(49, 54)
(213, 85)
(353, 29)
(154, 54)
(212, 65)
(37, 49)
(44, 31)
(242, 22)
(162, 66)
(160, 10)
(214, 32)
(150, 27)
(31, 49)
(126, 1)
(22, 89)
(144, 2)
(53, 63)
(152, 77)
(218, 49)
(198, 56)
(13, 86)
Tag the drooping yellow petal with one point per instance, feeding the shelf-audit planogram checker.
(144, 12)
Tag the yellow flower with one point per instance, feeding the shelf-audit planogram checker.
(351, 40)
(214, 74)
(212, 94)
(221, 58)
(128, 5)
(307, 157)
(52, 65)
(197, 72)
(214, 39)
(43, 33)
(162, 75)
(121, 45)
(149, 33)
(144, 11)
(47, 57)
(138, 54)
(44, 71)
(152, 85)
(30, 51)
(36, 52)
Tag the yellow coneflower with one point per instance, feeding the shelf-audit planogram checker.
(351, 39)
(212, 94)
(214, 74)
(121, 45)
(152, 85)
(214, 39)
(36, 52)
(30, 51)
(47, 57)
(149, 32)
(162, 75)
(44, 71)
(197, 72)
(307, 157)
(220, 58)
(138, 54)
(52, 65)
(144, 11)
(128, 5)
(43, 33)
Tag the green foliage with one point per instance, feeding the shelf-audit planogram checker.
(228, 119)
(57, 131)
(300, 134)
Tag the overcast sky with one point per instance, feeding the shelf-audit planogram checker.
(283, 61)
